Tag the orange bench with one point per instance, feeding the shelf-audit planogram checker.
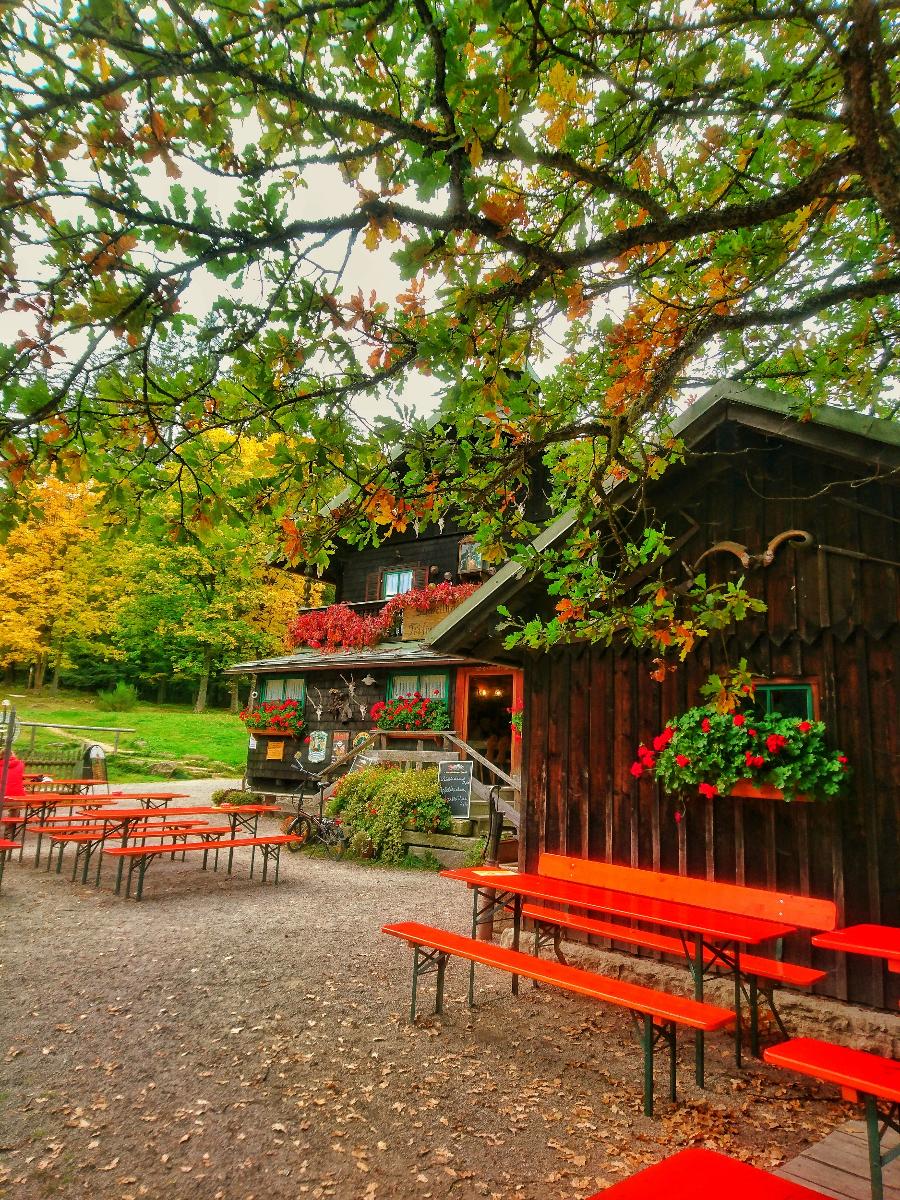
(86, 838)
(697, 1171)
(861, 1076)
(659, 1013)
(140, 857)
(656, 887)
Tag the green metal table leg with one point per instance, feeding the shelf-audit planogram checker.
(874, 1140)
(439, 998)
(737, 1006)
(754, 1017)
(517, 930)
(471, 995)
(698, 995)
(415, 983)
(647, 1042)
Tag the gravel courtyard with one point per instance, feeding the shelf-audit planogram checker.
(229, 1041)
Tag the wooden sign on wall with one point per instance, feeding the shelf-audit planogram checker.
(417, 625)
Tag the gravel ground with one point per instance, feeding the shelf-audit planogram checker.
(230, 1041)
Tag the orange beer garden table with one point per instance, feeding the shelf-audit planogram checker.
(36, 806)
(245, 816)
(701, 930)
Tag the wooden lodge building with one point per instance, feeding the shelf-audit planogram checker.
(339, 687)
(828, 645)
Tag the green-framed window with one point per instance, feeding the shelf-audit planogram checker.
(396, 583)
(788, 699)
(283, 687)
(425, 683)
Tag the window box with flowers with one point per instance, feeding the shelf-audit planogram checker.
(411, 713)
(340, 627)
(712, 753)
(278, 718)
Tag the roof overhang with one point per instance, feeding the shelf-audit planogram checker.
(864, 439)
(387, 656)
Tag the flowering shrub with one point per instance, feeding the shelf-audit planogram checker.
(340, 627)
(515, 720)
(412, 712)
(377, 803)
(279, 716)
(711, 751)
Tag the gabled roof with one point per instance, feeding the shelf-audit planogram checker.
(834, 431)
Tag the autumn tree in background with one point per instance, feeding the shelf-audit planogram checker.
(49, 597)
(94, 600)
(597, 208)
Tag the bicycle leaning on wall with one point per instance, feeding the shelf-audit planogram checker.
(311, 827)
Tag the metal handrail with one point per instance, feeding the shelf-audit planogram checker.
(479, 758)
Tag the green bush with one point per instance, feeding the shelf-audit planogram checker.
(378, 803)
(122, 698)
(232, 796)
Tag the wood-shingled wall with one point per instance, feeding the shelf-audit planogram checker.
(832, 619)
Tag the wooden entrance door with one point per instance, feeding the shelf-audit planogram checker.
(483, 696)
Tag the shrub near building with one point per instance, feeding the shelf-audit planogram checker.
(377, 803)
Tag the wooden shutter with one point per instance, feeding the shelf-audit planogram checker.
(420, 575)
(373, 585)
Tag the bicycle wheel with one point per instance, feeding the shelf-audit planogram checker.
(333, 839)
(299, 826)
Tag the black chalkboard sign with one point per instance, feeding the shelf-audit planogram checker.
(455, 779)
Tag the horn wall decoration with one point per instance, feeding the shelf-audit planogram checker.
(796, 537)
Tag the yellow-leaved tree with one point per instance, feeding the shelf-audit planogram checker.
(50, 581)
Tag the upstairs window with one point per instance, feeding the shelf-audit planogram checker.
(395, 583)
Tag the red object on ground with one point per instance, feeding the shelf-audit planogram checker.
(697, 1172)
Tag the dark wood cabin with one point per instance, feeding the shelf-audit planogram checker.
(829, 640)
(338, 688)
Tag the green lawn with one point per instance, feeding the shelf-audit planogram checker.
(168, 732)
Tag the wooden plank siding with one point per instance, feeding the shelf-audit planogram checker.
(832, 620)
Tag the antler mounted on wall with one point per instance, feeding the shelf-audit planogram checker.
(797, 537)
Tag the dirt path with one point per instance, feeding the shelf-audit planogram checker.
(229, 1041)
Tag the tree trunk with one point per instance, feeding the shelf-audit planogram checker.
(235, 705)
(161, 691)
(54, 683)
(203, 686)
(40, 670)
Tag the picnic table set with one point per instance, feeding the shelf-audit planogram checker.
(106, 828)
(716, 929)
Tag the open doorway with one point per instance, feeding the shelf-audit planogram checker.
(485, 698)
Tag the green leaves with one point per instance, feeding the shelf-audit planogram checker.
(602, 209)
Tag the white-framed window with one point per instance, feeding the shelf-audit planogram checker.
(290, 687)
(436, 684)
(395, 583)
